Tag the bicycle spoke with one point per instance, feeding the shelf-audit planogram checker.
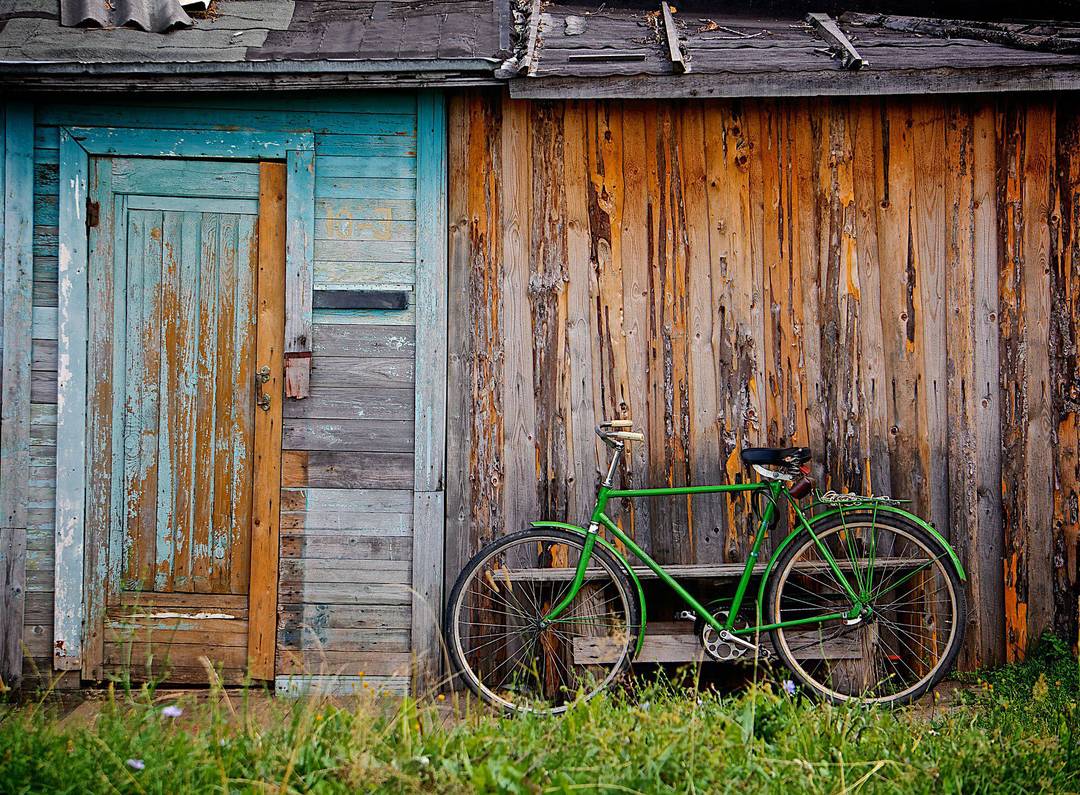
(910, 625)
(521, 662)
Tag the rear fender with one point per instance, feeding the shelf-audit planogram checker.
(573, 528)
(869, 505)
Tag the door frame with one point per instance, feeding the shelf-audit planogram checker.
(78, 599)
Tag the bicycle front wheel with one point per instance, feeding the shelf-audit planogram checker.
(500, 642)
(912, 624)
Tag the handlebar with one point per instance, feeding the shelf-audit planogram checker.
(612, 437)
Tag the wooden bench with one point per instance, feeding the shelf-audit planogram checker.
(676, 641)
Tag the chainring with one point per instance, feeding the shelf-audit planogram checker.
(718, 648)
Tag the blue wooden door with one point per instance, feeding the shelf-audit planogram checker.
(179, 259)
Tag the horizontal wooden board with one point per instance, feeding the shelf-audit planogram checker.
(349, 371)
(365, 273)
(346, 640)
(350, 208)
(350, 593)
(336, 547)
(356, 251)
(340, 227)
(394, 436)
(296, 572)
(346, 662)
(233, 119)
(355, 165)
(200, 178)
(176, 673)
(235, 604)
(322, 469)
(365, 342)
(121, 633)
(364, 188)
(353, 403)
(401, 317)
(349, 523)
(334, 616)
(686, 647)
(317, 500)
(317, 685)
(136, 654)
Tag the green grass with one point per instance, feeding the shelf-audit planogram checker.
(1012, 732)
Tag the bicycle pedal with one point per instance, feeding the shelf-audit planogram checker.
(686, 615)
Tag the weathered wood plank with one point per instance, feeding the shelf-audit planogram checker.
(323, 469)
(426, 585)
(856, 252)
(342, 685)
(18, 175)
(518, 397)
(330, 403)
(103, 356)
(350, 435)
(269, 354)
(316, 500)
(340, 371)
(299, 271)
(390, 342)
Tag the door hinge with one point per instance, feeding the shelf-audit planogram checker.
(93, 213)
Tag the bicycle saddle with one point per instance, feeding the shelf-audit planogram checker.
(775, 456)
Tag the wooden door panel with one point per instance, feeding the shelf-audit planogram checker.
(188, 291)
(189, 404)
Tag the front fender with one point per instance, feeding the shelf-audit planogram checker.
(573, 528)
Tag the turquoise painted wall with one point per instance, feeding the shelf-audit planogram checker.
(365, 210)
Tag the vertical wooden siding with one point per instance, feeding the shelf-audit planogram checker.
(893, 282)
(347, 463)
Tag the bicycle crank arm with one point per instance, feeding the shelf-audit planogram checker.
(727, 637)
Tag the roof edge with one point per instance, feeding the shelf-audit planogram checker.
(321, 66)
(829, 82)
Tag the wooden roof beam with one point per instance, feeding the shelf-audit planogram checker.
(671, 35)
(532, 56)
(839, 43)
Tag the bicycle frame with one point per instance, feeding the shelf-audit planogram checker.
(772, 490)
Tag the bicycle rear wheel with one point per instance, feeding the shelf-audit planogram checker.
(503, 648)
(911, 630)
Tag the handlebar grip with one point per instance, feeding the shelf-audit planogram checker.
(628, 436)
(617, 424)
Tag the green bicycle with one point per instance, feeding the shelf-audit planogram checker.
(862, 600)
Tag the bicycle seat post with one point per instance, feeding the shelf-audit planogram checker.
(616, 456)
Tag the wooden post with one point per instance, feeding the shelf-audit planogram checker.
(269, 346)
(18, 183)
(429, 516)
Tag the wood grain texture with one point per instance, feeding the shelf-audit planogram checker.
(266, 492)
(18, 176)
(299, 273)
(363, 213)
(887, 280)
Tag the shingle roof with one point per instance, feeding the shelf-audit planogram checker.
(246, 38)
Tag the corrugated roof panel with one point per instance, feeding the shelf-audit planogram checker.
(156, 16)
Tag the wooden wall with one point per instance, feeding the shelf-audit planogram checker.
(893, 282)
(348, 463)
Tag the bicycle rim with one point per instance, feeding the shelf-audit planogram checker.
(503, 648)
(902, 645)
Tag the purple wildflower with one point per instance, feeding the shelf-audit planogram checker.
(172, 711)
(136, 764)
(789, 687)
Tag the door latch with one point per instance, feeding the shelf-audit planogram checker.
(262, 377)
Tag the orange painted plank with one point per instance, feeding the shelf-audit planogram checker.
(269, 348)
